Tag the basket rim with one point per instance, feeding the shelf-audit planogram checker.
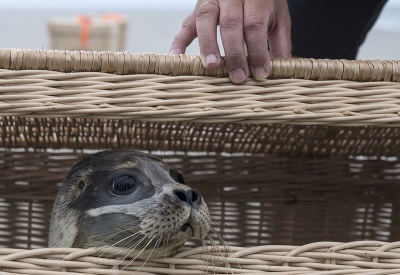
(358, 257)
(165, 64)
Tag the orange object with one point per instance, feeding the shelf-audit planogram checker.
(84, 22)
(111, 17)
(84, 33)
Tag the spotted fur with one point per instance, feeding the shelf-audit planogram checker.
(151, 222)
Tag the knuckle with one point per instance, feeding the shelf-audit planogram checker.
(230, 21)
(257, 55)
(234, 59)
(233, 54)
(189, 27)
(206, 41)
(206, 11)
(254, 24)
(269, 9)
(258, 59)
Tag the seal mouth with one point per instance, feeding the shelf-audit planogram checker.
(186, 226)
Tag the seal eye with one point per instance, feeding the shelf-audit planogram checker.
(124, 185)
(176, 176)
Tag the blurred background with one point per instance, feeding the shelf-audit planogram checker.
(150, 25)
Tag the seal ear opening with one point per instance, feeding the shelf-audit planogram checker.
(81, 185)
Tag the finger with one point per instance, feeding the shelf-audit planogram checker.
(279, 38)
(231, 28)
(207, 15)
(185, 36)
(255, 24)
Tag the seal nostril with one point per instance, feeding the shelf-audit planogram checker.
(191, 197)
(181, 195)
(196, 197)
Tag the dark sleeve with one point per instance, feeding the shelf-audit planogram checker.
(332, 29)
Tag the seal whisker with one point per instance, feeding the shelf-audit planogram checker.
(129, 252)
(156, 245)
(224, 244)
(213, 244)
(219, 224)
(221, 236)
(114, 234)
(127, 203)
(110, 252)
(132, 237)
(164, 240)
(208, 252)
(143, 249)
(220, 239)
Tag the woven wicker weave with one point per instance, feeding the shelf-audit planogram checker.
(368, 257)
(298, 170)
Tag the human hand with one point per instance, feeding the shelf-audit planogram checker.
(251, 32)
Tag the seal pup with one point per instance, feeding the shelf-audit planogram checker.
(127, 202)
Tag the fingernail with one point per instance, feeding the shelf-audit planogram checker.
(211, 59)
(260, 73)
(238, 76)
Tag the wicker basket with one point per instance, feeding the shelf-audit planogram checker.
(301, 171)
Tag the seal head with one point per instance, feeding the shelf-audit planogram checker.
(127, 202)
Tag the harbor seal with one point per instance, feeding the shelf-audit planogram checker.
(127, 202)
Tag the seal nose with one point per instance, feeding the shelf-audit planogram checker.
(191, 197)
